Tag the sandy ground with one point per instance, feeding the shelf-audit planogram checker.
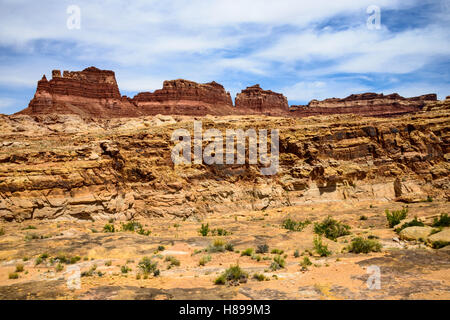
(408, 270)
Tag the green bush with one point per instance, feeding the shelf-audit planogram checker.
(262, 248)
(173, 261)
(296, 253)
(204, 260)
(443, 221)
(363, 218)
(13, 275)
(229, 247)
(147, 266)
(217, 245)
(220, 232)
(277, 251)
(278, 263)
(108, 228)
(125, 269)
(161, 248)
(295, 225)
(2, 231)
(247, 252)
(331, 229)
(413, 223)
(135, 226)
(259, 277)
(59, 267)
(361, 245)
(321, 249)
(396, 216)
(305, 263)
(19, 267)
(232, 274)
(204, 230)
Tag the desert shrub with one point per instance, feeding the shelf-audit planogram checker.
(278, 263)
(173, 261)
(412, 223)
(204, 260)
(259, 277)
(439, 244)
(13, 275)
(204, 230)
(331, 229)
(295, 225)
(135, 226)
(305, 263)
(59, 267)
(396, 216)
(262, 248)
(277, 251)
(363, 218)
(90, 272)
(361, 245)
(229, 247)
(247, 252)
(217, 245)
(321, 249)
(29, 228)
(233, 274)
(220, 232)
(125, 269)
(161, 248)
(108, 228)
(108, 263)
(147, 266)
(2, 231)
(256, 257)
(443, 221)
(296, 253)
(19, 267)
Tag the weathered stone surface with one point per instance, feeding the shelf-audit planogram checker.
(443, 236)
(88, 93)
(416, 233)
(367, 104)
(262, 101)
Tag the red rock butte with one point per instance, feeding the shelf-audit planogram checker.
(95, 93)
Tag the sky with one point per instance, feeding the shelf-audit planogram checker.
(303, 49)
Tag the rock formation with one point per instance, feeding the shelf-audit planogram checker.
(88, 93)
(63, 166)
(184, 97)
(366, 104)
(262, 101)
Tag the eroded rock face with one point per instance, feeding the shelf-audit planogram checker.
(88, 93)
(365, 104)
(63, 166)
(262, 101)
(184, 97)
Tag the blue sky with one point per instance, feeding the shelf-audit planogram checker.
(304, 49)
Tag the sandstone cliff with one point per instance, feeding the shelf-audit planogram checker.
(88, 93)
(184, 97)
(62, 166)
(366, 104)
(262, 101)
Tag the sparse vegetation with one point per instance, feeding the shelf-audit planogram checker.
(443, 221)
(262, 248)
(135, 226)
(147, 266)
(220, 232)
(19, 267)
(217, 245)
(305, 263)
(59, 267)
(234, 274)
(259, 277)
(2, 231)
(247, 252)
(204, 260)
(295, 225)
(108, 263)
(321, 249)
(161, 248)
(277, 251)
(229, 247)
(439, 244)
(363, 218)
(173, 261)
(90, 272)
(361, 245)
(125, 269)
(396, 216)
(204, 230)
(331, 229)
(13, 275)
(278, 263)
(296, 253)
(109, 228)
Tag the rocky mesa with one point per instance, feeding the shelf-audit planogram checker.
(366, 104)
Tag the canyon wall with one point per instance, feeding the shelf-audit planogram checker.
(66, 167)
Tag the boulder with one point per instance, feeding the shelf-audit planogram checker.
(415, 233)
